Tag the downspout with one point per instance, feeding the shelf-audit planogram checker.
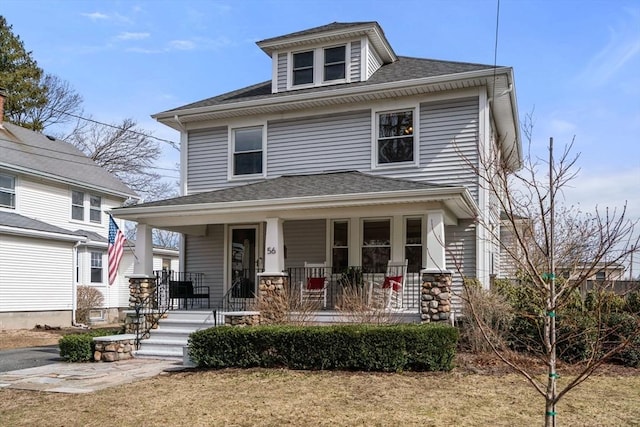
(74, 284)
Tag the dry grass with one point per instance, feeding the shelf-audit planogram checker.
(299, 398)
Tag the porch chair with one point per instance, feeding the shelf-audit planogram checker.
(314, 287)
(388, 294)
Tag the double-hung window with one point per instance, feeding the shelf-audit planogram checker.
(95, 209)
(334, 63)
(7, 191)
(395, 137)
(413, 244)
(247, 151)
(303, 68)
(96, 267)
(77, 205)
(340, 245)
(376, 245)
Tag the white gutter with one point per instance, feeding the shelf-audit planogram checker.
(41, 234)
(14, 168)
(335, 94)
(261, 205)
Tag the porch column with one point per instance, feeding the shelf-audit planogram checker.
(435, 242)
(274, 247)
(143, 265)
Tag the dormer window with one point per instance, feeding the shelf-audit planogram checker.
(303, 68)
(334, 63)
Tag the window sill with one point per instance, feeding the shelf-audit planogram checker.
(240, 178)
(398, 165)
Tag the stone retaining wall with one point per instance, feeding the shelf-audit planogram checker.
(249, 318)
(112, 348)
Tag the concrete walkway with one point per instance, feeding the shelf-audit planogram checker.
(85, 377)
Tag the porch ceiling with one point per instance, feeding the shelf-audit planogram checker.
(333, 195)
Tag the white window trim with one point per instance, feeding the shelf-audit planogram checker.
(15, 193)
(416, 137)
(318, 66)
(102, 264)
(86, 208)
(92, 209)
(331, 235)
(423, 236)
(231, 151)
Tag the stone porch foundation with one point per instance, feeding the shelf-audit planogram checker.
(435, 296)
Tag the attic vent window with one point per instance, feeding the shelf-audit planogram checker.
(303, 68)
(334, 63)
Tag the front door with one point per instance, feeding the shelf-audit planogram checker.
(243, 261)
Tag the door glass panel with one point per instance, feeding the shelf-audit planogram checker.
(243, 262)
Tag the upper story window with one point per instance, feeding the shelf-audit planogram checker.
(95, 209)
(395, 137)
(77, 205)
(247, 151)
(303, 68)
(335, 63)
(7, 191)
(79, 200)
(318, 66)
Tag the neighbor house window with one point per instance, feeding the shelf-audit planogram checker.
(334, 63)
(77, 205)
(7, 191)
(247, 151)
(95, 209)
(376, 245)
(394, 140)
(340, 246)
(303, 68)
(96, 267)
(413, 244)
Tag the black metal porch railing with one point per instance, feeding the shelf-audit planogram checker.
(241, 296)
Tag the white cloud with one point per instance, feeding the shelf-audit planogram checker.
(94, 16)
(562, 126)
(182, 45)
(132, 36)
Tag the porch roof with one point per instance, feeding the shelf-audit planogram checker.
(284, 195)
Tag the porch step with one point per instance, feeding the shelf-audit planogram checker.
(172, 334)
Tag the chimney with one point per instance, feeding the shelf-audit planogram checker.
(3, 95)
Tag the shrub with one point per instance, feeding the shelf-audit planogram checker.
(387, 348)
(632, 303)
(87, 298)
(80, 347)
(623, 326)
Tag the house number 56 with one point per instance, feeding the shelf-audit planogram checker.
(271, 250)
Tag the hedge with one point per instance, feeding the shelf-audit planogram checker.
(80, 347)
(387, 348)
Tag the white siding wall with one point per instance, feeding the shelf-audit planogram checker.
(373, 62)
(460, 256)
(448, 140)
(356, 61)
(205, 254)
(305, 241)
(35, 274)
(320, 143)
(207, 159)
(282, 72)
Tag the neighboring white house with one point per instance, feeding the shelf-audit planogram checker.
(349, 155)
(53, 230)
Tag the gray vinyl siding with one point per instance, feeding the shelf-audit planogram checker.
(373, 63)
(460, 256)
(448, 142)
(282, 72)
(356, 61)
(205, 254)
(207, 158)
(321, 143)
(305, 242)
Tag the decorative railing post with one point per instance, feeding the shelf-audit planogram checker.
(435, 296)
(273, 301)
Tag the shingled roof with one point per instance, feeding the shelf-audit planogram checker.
(298, 186)
(404, 69)
(14, 220)
(35, 153)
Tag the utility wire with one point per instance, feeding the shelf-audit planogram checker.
(495, 50)
(171, 143)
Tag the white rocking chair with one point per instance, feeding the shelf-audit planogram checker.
(388, 294)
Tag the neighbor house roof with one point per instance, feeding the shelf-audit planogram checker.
(33, 153)
(14, 223)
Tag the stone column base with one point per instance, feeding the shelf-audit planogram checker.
(435, 296)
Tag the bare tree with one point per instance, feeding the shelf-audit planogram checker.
(545, 238)
(62, 104)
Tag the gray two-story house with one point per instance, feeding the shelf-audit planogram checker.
(350, 155)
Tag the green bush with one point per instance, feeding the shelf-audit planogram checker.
(80, 347)
(623, 326)
(387, 348)
(632, 303)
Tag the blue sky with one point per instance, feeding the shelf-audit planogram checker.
(576, 63)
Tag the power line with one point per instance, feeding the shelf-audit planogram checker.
(171, 143)
(495, 50)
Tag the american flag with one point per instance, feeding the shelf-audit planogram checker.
(116, 246)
